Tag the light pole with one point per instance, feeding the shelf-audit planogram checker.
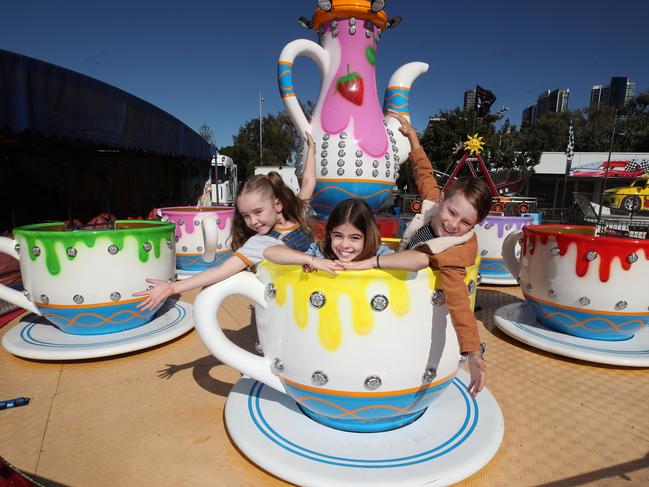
(261, 131)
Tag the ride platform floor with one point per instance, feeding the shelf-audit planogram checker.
(155, 417)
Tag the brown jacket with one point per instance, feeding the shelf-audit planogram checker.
(451, 263)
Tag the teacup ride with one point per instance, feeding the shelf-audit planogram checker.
(491, 233)
(586, 295)
(79, 284)
(202, 236)
(359, 381)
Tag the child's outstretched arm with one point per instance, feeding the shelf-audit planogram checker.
(281, 254)
(408, 260)
(421, 166)
(162, 289)
(308, 176)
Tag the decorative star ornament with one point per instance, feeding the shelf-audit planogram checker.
(473, 144)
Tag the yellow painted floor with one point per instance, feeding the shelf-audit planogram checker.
(155, 417)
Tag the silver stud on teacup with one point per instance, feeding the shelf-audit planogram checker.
(17, 248)
(359, 153)
(508, 227)
(372, 383)
(375, 173)
(359, 172)
(341, 144)
(27, 295)
(528, 286)
(319, 378)
(472, 286)
(115, 296)
(488, 226)
(340, 171)
(632, 257)
(324, 171)
(479, 278)
(197, 223)
(429, 375)
(325, 144)
(184, 248)
(341, 153)
(343, 135)
(484, 252)
(199, 249)
(170, 244)
(147, 246)
(341, 162)
(258, 348)
(379, 302)
(45, 299)
(437, 297)
(78, 298)
(112, 249)
(620, 305)
(325, 136)
(552, 294)
(270, 291)
(181, 222)
(375, 163)
(317, 299)
(278, 366)
(591, 255)
(36, 251)
(324, 153)
(71, 252)
(555, 251)
(584, 301)
(358, 162)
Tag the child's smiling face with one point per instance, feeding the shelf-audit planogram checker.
(455, 217)
(347, 242)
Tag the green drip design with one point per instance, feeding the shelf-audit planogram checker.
(156, 234)
(370, 55)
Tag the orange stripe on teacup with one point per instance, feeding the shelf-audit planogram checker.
(93, 305)
(587, 310)
(367, 394)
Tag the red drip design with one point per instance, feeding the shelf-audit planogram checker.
(607, 248)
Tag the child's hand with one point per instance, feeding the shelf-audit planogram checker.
(358, 265)
(478, 372)
(325, 265)
(406, 129)
(309, 142)
(160, 291)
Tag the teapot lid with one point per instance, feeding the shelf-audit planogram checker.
(342, 9)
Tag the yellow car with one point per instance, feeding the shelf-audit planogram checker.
(630, 198)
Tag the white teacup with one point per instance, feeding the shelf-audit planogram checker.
(577, 283)
(361, 351)
(202, 235)
(82, 281)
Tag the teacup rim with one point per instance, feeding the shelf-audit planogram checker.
(42, 228)
(199, 209)
(547, 229)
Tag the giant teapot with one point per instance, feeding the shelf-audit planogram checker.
(358, 148)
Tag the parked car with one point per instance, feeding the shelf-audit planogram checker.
(630, 198)
(616, 169)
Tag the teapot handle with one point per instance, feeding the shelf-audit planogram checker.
(285, 77)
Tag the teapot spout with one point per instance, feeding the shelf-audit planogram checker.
(397, 96)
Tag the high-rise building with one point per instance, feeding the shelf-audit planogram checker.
(617, 94)
(554, 101)
(469, 99)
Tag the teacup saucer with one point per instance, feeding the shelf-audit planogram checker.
(453, 439)
(502, 281)
(34, 338)
(183, 274)
(518, 321)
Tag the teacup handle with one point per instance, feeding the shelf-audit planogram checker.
(7, 246)
(210, 238)
(509, 253)
(209, 329)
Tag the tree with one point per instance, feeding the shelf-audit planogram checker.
(206, 132)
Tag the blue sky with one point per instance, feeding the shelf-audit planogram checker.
(206, 61)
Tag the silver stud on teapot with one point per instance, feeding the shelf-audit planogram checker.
(379, 302)
(437, 297)
(372, 383)
(113, 249)
(584, 301)
(632, 257)
(317, 299)
(78, 298)
(278, 366)
(36, 251)
(115, 296)
(319, 378)
(591, 255)
(429, 375)
(620, 305)
(45, 299)
(270, 291)
(555, 251)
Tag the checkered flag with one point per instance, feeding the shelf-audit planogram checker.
(570, 148)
